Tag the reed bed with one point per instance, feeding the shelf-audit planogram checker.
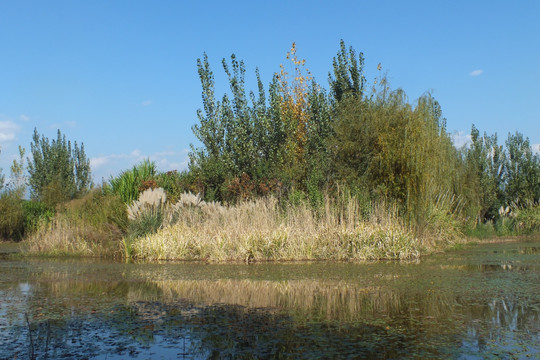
(260, 230)
(62, 236)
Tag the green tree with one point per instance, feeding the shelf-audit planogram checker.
(395, 150)
(348, 78)
(522, 172)
(253, 140)
(18, 179)
(58, 172)
(486, 163)
(12, 203)
(2, 178)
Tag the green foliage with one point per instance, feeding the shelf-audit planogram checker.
(58, 171)
(100, 209)
(18, 179)
(394, 150)
(527, 219)
(270, 139)
(523, 171)
(2, 178)
(348, 79)
(146, 224)
(12, 218)
(297, 198)
(480, 230)
(36, 214)
(176, 183)
(130, 183)
(297, 136)
(485, 162)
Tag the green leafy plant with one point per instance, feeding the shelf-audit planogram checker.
(128, 184)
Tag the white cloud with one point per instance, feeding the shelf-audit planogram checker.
(8, 131)
(536, 148)
(135, 153)
(147, 103)
(24, 117)
(477, 72)
(97, 162)
(461, 139)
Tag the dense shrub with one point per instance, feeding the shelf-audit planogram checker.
(99, 209)
(12, 216)
(36, 214)
(527, 220)
(93, 225)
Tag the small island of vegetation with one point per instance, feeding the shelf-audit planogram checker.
(292, 171)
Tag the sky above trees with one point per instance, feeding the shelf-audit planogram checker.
(121, 76)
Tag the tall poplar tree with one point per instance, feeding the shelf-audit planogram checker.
(58, 171)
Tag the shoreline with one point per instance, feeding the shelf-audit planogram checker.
(11, 249)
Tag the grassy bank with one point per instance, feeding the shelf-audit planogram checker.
(263, 229)
(256, 230)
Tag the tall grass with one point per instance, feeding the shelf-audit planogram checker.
(261, 230)
(526, 219)
(513, 220)
(90, 226)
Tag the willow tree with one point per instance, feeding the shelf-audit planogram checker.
(395, 150)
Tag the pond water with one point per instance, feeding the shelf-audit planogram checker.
(476, 303)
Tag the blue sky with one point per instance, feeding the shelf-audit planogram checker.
(121, 76)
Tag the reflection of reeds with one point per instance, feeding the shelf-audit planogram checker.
(331, 300)
(260, 230)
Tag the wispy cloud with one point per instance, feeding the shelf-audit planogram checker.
(536, 148)
(24, 117)
(147, 103)
(461, 139)
(8, 131)
(99, 161)
(477, 72)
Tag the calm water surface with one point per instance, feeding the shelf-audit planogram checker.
(477, 303)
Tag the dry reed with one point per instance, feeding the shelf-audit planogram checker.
(260, 230)
(64, 237)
